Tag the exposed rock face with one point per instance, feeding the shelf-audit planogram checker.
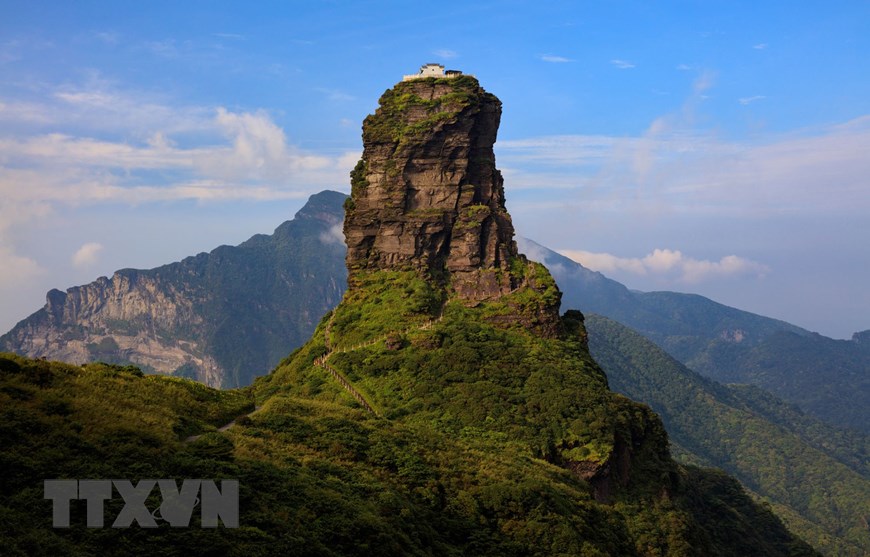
(126, 318)
(427, 195)
(221, 318)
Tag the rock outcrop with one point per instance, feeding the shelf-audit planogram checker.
(427, 195)
(127, 318)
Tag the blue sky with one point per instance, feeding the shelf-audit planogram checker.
(721, 148)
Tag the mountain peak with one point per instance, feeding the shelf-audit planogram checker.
(322, 206)
(426, 194)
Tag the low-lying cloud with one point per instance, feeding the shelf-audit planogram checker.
(335, 235)
(670, 263)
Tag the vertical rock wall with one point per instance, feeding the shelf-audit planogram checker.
(426, 194)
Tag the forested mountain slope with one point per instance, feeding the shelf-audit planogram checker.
(815, 476)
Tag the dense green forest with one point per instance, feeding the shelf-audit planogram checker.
(813, 475)
(808, 361)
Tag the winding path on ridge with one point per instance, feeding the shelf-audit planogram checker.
(323, 361)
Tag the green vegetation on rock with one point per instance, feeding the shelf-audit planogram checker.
(392, 124)
(484, 396)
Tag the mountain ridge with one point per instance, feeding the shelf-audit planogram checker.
(473, 349)
(732, 345)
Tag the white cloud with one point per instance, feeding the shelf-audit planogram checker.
(87, 255)
(760, 46)
(348, 160)
(698, 270)
(749, 100)
(166, 48)
(445, 53)
(668, 262)
(241, 155)
(679, 170)
(113, 147)
(559, 149)
(622, 64)
(335, 235)
(259, 150)
(24, 112)
(100, 107)
(555, 59)
(678, 167)
(605, 262)
(684, 67)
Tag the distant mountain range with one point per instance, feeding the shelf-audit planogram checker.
(229, 316)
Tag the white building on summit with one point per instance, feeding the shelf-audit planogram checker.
(432, 70)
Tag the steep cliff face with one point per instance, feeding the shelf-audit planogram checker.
(222, 318)
(427, 195)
